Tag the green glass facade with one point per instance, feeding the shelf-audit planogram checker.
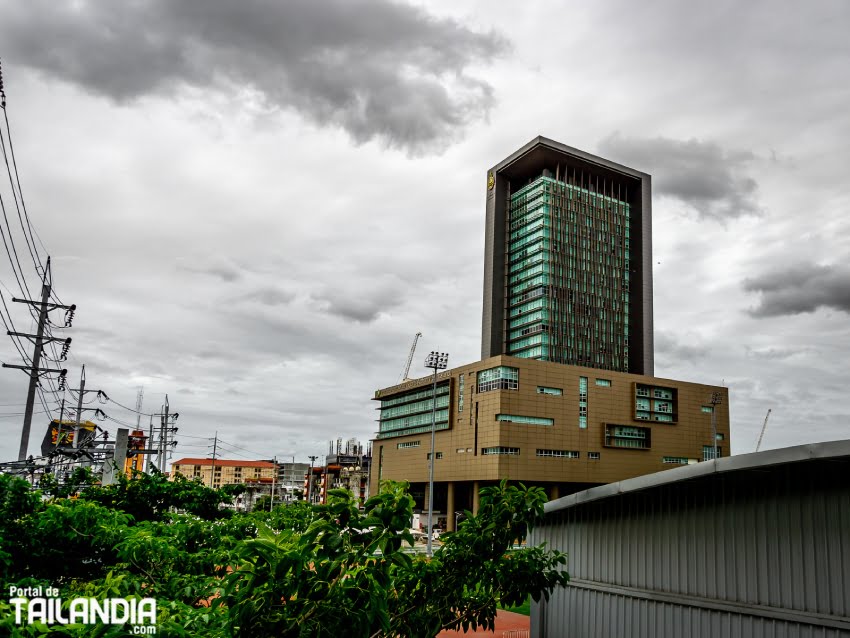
(568, 260)
(411, 412)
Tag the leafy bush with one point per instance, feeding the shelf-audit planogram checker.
(300, 570)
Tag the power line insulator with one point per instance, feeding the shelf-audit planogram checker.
(65, 348)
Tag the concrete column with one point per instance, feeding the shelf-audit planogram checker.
(554, 492)
(427, 498)
(450, 506)
(475, 497)
(114, 466)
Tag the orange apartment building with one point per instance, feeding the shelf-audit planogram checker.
(226, 472)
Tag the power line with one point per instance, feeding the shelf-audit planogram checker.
(30, 234)
(233, 452)
(14, 250)
(259, 454)
(35, 262)
(15, 340)
(9, 415)
(119, 422)
(108, 398)
(189, 436)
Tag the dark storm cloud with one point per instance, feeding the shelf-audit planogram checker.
(363, 301)
(269, 296)
(801, 288)
(775, 354)
(712, 180)
(376, 68)
(224, 271)
(667, 345)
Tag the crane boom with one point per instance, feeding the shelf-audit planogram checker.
(404, 374)
(763, 428)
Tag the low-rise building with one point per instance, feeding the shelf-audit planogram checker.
(222, 472)
(290, 482)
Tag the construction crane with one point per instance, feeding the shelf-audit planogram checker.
(404, 374)
(763, 428)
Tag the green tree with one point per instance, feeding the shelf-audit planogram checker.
(300, 570)
(151, 496)
(347, 573)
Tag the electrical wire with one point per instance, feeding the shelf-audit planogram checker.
(14, 250)
(119, 422)
(239, 454)
(35, 262)
(29, 229)
(15, 340)
(126, 408)
(189, 436)
(260, 454)
(76, 397)
(18, 414)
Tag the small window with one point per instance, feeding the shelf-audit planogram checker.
(513, 451)
(529, 420)
(593, 456)
(708, 454)
(439, 456)
(559, 454)
(676, 460)
(605, 383)
(553, 391)
(708, 409)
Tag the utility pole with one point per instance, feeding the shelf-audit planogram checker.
(39, 340)
(80, 407)
(274, 479)
(310, 480)
(163, 443)
(164, 437)
(150, 445)
(215, 447)
(36, 359)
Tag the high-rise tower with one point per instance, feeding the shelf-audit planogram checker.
(568, 260)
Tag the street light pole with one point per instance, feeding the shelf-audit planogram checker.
(716, 400)
(274, 477)
(436, 361)
(310, 480)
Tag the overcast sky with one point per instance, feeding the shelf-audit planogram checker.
(256, 204)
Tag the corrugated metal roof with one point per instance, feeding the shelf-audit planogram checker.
(741, 462)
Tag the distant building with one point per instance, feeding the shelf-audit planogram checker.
(225, 471)
(346, 466)
(564, 396)
(564, 428)
(291, 479)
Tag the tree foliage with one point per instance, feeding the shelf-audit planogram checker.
(299, 570)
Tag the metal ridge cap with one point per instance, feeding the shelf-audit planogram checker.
(740, 462)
